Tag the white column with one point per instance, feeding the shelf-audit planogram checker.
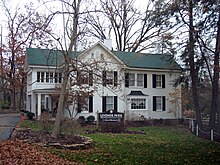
(28, 103)
(50, 103)
(38, 105)
(33, 103)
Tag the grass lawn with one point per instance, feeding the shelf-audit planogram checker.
(160, 145)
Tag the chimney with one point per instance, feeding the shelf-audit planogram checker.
(108, 43)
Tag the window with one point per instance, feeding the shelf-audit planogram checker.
(138, 103)
(60, 77)
(42, 76)
(47, 76)
(56, 77)
(85, 104)
(131, 79)
(109, 103)
(85, 77)
(159, 103)
(135, 79)
(51, 77)
(140, 79)
(110, 78)
(158, 81)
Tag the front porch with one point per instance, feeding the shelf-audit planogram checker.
(42, 100)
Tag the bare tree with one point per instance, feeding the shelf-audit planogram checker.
(132, 29)
(25, 28)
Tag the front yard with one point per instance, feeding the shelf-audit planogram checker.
(159, 145)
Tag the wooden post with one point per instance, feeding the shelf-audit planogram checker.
(197, 130)
(97, 121)
(124, 119)
(192, 126)
(212, 137)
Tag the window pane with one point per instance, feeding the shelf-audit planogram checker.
(55, 78)
(47, 76)
(109, 103)
(109, 77)
(158, 81)
(139, 79)
(42, 76)
(85, 105)
(51, 77)
(131, 79)
(138, 103)
(158, 103)
(60, 77)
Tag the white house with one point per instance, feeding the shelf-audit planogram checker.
(137, 84)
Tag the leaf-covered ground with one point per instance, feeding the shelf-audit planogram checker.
(16, 152)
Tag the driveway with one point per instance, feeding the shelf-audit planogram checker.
(7, 125)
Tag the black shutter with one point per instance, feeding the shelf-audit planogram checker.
(90, 104)
(79, 107)
(154, 103)
(115, 78)
(163, 81)
(154, 81)
(116, 103)
(103, 103)
(145, 80)
(126, 79)
(164, 103)
(90, 78)
(104, 78)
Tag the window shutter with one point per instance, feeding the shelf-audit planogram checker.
(154, 103)
(126, 79)
(154, 80)
(104, 104)
(164, 103)
(163, 81)
(116, 103)
(79, 107)
(115, 78)
(90, 104)
(145, 80)
(104, 78)
(90, 78)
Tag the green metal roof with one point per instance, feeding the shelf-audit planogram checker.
(148, 61)
(45, 57)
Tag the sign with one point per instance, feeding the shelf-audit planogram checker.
(111, 116)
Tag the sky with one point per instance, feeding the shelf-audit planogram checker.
(12, 4)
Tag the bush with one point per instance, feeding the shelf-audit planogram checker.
(90, 119)
(82, 120)
(30, 115)
(70, 126)
(113, 127)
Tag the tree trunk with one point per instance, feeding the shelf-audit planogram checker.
(193, 72)
(60, 108)
(215, 86)
(66, 54)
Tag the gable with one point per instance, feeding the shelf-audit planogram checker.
(100, 52)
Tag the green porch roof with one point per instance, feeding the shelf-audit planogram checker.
(47, 57)
(148, 61)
